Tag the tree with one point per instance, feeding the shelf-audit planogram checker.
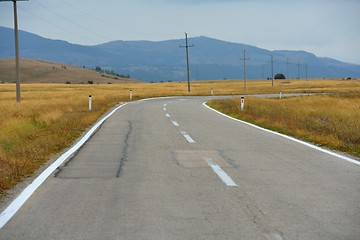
(279, 76)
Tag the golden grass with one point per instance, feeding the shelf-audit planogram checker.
(37, 71)
(51, 116)
(328, 120)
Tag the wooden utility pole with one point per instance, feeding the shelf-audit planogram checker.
(187, 59)
(17, 55)
(272, 70)
(245, 68)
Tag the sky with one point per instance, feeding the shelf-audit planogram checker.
(327, 28)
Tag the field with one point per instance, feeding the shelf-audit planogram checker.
(37, 71)
(51, 117)
(332, 121)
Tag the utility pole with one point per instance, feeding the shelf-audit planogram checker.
(306, 71)
(244, 68)
(18, 97)
(287, 68)
(262, 71)
(299, 70)
(187, 59)
(272, 70)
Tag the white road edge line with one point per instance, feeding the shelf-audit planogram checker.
(187, 137)
(10, 211)
(167, 115)
(175, 124)
(288, 137)
(221, 173)
(155, 98)
(164, 109)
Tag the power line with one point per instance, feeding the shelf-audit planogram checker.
(108, 23)
(54, 25)
(102, 21)
(69, 21)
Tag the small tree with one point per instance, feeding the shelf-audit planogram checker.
(279, 76)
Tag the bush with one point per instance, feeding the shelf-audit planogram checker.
(280, 76)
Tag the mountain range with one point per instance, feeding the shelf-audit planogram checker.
(165, 60)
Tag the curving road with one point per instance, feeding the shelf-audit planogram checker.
(173, 169)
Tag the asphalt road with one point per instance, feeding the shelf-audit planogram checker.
(173, 169)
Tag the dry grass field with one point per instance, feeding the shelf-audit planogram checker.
(37, 71)
(51, 117)
(332, 120)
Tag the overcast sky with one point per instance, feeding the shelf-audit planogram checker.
(327, 28)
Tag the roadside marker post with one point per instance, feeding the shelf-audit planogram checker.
(280, 95)
(212, 91)
(90, 102)
(242, 104)
(130, 94)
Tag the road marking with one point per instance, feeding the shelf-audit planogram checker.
(187, 137)
(175, 124)
(221, 173)
(155, 98)
(274, 236)
(165, 104)
(10, 211)
(288, 137)
(164, 109)
(167, 115)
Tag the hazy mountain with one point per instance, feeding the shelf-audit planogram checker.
(165, 60)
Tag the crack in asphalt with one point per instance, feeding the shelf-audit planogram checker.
(125, 149)
(70, 160)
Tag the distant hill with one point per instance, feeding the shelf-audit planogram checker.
(37, 71)
(165, 60)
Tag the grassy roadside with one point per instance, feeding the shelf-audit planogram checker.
(52, 116)
(327, 120)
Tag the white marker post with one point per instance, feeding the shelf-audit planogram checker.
(130, 94)
(242, 104)
(90, 102)
(280, 95)
(212, 91)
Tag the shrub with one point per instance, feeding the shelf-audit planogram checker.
(280, 76)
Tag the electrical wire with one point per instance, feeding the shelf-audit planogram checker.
(101, 20)
(107, 23)
(82, 28)
(69, 21)
(54, 25)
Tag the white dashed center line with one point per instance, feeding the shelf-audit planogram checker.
(221, 173)
(175, 124)
(187, 137)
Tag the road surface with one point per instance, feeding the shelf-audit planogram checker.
(173, 169)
